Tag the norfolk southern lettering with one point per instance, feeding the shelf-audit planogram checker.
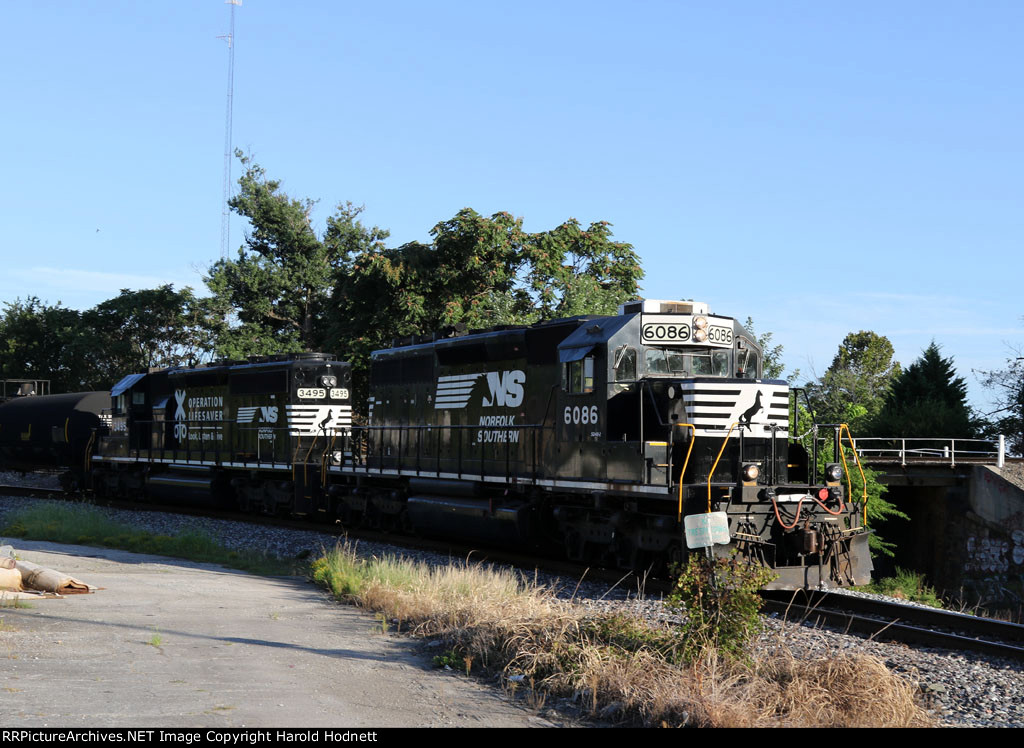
(499, 436)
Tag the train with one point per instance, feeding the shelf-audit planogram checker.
(630, 440)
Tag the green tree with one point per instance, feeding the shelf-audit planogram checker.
(773, 366)
(853, 389)
(157, 327)
(39, 341)
(346, 292)
(1008, 386)
(572, 271)
(275, 296)
(927, 400)
(478, 272)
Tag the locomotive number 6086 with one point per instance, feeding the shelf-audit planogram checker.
(579, 414)
(671, 332)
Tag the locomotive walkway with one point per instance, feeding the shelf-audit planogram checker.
(170, 643)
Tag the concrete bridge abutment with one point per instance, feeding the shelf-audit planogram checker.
(966, 529)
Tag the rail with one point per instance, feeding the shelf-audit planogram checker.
(515, 452)
(714, 467)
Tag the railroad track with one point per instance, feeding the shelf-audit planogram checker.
(38, 493)
(871, 617)
(911, 624)
(454, 548)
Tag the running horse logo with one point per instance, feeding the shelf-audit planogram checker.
(748, 415)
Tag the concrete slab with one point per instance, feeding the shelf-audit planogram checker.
(169, 643)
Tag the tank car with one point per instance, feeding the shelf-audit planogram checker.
(51, 432)
(607, 436)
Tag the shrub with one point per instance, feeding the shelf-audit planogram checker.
(719, 600)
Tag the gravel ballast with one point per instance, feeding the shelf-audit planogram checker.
(961, 689)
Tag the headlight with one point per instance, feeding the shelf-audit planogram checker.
(700, 335)
(833, 472)
(750, 472)
(328, 380)
(700, 323)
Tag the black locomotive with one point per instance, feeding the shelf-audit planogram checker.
(630, 439)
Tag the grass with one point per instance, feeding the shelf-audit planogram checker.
(82, 524)
(618, 667)
(906, 585)
(910, 585)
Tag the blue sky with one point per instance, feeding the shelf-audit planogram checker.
(821, 167)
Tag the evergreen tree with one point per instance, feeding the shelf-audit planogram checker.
(927, 400)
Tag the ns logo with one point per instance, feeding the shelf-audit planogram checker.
(506, 389)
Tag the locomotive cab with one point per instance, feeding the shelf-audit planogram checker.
(670, 396)
(637, 388)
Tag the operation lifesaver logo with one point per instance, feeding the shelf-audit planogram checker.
(192, 409)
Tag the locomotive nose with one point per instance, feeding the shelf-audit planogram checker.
(676, 410)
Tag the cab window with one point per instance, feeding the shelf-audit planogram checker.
(694, 363)
(662, 361)
(624, 364)
(578, 376)
(748, 364)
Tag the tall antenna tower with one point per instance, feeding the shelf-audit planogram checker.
(225, 216)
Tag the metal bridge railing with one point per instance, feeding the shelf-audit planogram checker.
(932, 450)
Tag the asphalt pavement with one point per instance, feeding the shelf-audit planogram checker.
(171, 643)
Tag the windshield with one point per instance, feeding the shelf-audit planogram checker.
(692, 364)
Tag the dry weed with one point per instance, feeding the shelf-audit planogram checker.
(834, 690)
(499, 622)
